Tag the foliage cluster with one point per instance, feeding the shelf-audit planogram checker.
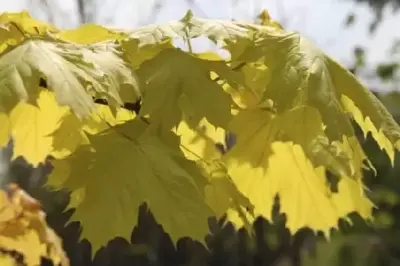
(127, 118)
(24, 234)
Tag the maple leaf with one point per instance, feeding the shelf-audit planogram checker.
(9, 36)
(145, 42)
(190, 27)
(302, 189)
(175, 82)
(200, 145)
(26, 24)
(31, 127)
(265, 127)
(369, 113)
(301, 74)
(23, 229)
(221, 194)
(5, 130)
(47, 129)
(249, 160)
(146, 168)
(68, 69)
(290, 105)
(73, 132)
(89, 34)
(15, 27)
(7, 261)
(133, 51)
(200, 142)
(136, 54)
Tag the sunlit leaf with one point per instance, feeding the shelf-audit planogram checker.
(146, 168)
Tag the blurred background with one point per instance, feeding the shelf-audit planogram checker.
(364, 35)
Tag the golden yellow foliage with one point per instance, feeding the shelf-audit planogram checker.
(146, 168)
(23, 229)
(290, 106)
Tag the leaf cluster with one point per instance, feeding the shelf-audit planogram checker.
(65, 95)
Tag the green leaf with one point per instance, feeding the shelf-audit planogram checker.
(145, 168)
(365, 108)
(191, 27)
(175, 82)
(74, 72)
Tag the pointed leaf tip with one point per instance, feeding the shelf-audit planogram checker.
(188, 16)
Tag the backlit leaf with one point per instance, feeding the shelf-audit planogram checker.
(145, 169)
(68, 70)
(303, 191)
(23, 229)
(171, 87)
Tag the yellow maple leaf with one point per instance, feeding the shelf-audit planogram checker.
(89, 33)
(146, 168)
(190, 27)
(49, 129)
(23, 229)
(26, 23)
(68, 70)
(221, 193)
(369, 113)
(9, 36)
(302, 188)
(264, 126)
(7, 260)
(136, 54)
(31, 127)
(251, 159)
(73, 131)
(5, 130)
(200, 142)
(301, 74)
(199, 145)
(172, 87)
(15, 27)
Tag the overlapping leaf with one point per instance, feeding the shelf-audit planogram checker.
(301, 74)
(26, 24)
(304, 194)
(15, 27)
(73, 132)
(292, 107)
(49, 129)
(31, 127)
(253, 158)
(369, 113)
(75, 73)
(200, 142)
(200, 145)
(177, 84)
(23, 229)
(190, 27)
(145, 168)
(89, 34)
